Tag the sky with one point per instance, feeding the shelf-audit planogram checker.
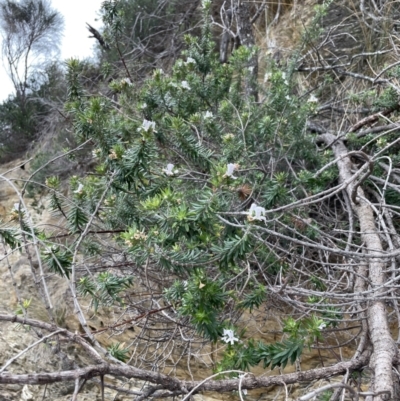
(76, 41)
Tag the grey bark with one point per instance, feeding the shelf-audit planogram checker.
(244, 22)
(226, 37)
(384, 350)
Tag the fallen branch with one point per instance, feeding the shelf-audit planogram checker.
(372, 118)
(167, 382)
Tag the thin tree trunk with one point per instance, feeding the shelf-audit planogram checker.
(247, 39)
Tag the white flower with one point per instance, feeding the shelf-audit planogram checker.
(267, 76)
(287, 97)
(285, 81)
(147, 126)
(228, 137)
(190, 60)
(256, 213)
(312, 99)
(170, 169)
(143, 106)
(185, 85)
(322, 326)
(208, 114)
(126, 81)
(229, 337)
(79, 189)
(96, 153)
(230, 168)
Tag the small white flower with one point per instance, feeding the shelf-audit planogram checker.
(79, 189)
(147, 126)
(96, 153)
(185, 85)
(126, 81)
(143, 106)
(267, 76)
(190, 60)
(170, 169)
(208, 114)
(322, 326)
(229, 337)
(312, 99)
(256, 213)
(228, 137)
(287, 97)
(230, 168)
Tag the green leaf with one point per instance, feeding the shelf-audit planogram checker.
(10, 237)
(254, 299)
(118, 351)
(58, 261)
(104, 289)
(233, 249)
(280, 353)
(77, 219)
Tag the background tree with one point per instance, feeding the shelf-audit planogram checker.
(31, 33)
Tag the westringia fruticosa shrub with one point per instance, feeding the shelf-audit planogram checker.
(197, 199)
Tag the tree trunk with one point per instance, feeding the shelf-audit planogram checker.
(384, 349)
(247, 39)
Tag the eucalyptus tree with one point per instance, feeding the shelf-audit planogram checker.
(31, 32)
